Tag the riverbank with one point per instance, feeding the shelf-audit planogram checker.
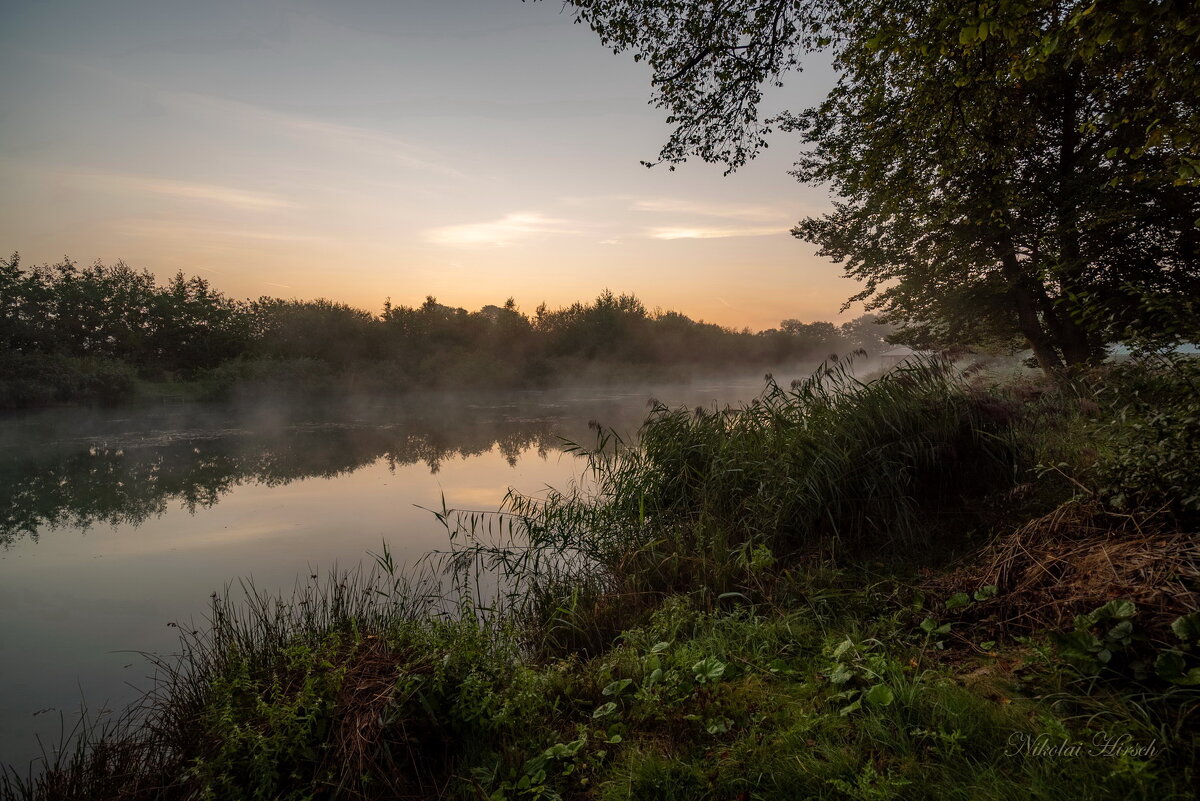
(928, 586)
(40, 382)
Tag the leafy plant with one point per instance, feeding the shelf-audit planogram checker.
(1178, 665)
(1098, 636)
(708, 670)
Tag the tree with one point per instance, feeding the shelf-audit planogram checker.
(996, 169)
(866, 332)
(711, 62)
(195, 326)
(323, 329)
(813, 337)
(978, 200)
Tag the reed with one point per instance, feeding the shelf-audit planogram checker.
(728, 607)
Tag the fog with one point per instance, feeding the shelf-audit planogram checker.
(116, 522)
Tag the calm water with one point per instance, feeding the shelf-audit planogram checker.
(114, 524)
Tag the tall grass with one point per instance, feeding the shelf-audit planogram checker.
(708, 499)
(234, 713)
(671, 625)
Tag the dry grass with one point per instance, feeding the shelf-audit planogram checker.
(1076, 558)
(370, 739)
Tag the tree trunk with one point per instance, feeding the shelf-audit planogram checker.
(1025, 304)
(1071, 339)
(1077, 348)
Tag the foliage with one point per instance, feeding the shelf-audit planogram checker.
(630, 647)
(981, 199)
(712, 499)
(1016, 168)
(39, 381)
(1153, 438)
(70, 334)
(364, 699)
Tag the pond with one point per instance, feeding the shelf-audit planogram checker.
(116, 526)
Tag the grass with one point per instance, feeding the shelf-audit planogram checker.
(767, 603)
(377, 701)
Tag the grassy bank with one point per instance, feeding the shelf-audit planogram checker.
(928, 586)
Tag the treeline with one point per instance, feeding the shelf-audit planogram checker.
(91, 333)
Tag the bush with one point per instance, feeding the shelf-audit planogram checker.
(707, 498)
(1153, 438)
(43, 379)
(254, 376)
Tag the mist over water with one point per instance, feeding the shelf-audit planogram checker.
(116, 523)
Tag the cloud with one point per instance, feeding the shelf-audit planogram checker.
(228, 196)
(682, 206)
(499, 233)
(242, 199)
(701, 232)
(190, 232)
(685, 207)
(316, 131)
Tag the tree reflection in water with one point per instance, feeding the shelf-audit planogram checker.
(126, 478)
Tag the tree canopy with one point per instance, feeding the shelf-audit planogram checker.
(1007, 170)
(86, 333)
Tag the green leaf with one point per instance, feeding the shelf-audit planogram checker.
(986, 592)
(1121, 633)
(709, 669)
(1170, 665)
(957, 601)
(617, 687)
(605, 710)
(1187, 628)
(719, 725)
(880, 695)
(840, 674)
(1113, 610)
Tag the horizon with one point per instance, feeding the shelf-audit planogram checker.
(466, 150)
(378, 309)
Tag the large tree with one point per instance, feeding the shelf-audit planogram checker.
(1007, 168)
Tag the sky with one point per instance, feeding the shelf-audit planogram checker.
(358, 150)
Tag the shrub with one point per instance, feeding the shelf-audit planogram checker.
(1153, 439)
(43, 379)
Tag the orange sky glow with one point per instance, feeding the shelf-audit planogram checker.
(359, 151)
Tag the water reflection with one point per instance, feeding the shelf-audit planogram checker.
(125, 480)
(115, 524)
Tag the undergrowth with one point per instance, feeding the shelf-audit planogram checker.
(844, 590)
